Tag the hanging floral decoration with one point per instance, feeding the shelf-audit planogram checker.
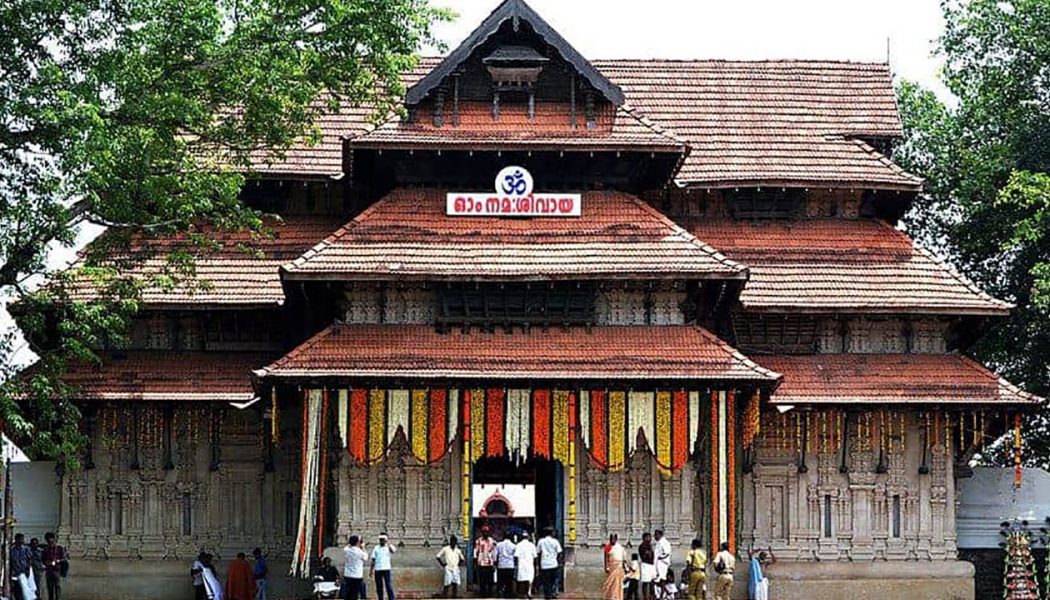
(375, 417)
(752, 421)
(665, 423)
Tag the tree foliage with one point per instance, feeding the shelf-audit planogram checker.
(986, 161)
(145, 116)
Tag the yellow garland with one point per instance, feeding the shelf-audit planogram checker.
(616, 432)
(418, 435)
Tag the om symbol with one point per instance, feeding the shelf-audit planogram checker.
(514, 184)
(514, 181)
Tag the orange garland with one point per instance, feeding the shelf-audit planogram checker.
(714, 472)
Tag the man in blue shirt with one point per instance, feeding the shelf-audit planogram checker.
(380, 568)
(20, 560)
(260, 571)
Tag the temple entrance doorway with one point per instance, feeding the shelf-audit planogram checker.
(517, 496)
(513, 497)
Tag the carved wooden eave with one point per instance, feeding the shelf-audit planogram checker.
(515, 11)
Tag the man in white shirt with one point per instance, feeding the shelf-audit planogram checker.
(353, 568)
(725, 565)
(525, 559)
(505, 567)
(550, 551)
(450, 557)
(380, 568)
(662, 552)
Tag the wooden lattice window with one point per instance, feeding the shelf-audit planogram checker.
(516, 304)
(757, 204)
(775, 333)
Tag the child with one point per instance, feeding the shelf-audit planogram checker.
(670, 587)
(631, 577)
(683, 584)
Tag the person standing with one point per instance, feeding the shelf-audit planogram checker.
(725, 564)
(485, 561)
(197, 573)
(525, 565)
(614, 559)
(505, 566)
(37, 563)
(240, 580)
(20, 563)
(380, 568)
(56, 566)
(696, 566)
(353, 568)
(647, 557)
(632, 575)
(757, 582)
(662, 550)
(450, 557)
(212, 588)
(260, 571)
(549, 550)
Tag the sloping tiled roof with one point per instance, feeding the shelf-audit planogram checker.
(842, 265)
(407, 234)
(231, 275)
(168, 376)
(890, 379)
(615, 128)
(623, 353)
(782, 122)
(325, 158)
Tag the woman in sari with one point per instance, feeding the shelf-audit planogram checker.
(615, 555)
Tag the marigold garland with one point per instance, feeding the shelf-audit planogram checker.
(617, 406)
(731, 468)
(419, 429)
(752, 421)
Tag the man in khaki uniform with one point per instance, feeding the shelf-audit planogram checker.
(725, 564)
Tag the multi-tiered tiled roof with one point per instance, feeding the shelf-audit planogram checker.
(714, 124)
(613, 352)
(407, 235)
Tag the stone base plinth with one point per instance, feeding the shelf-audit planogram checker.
(417, 575)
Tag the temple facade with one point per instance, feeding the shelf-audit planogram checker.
(602, 297)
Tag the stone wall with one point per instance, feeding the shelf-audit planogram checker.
(876, 504)
(213, 485)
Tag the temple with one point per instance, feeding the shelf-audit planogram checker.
(600, 296)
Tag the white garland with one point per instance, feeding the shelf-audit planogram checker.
(585, 418)
(399, 415)
(308, 503)
(640, 415)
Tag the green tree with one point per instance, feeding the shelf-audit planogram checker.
(146, 116)
(985, 160)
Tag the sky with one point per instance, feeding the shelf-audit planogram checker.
(857, 30)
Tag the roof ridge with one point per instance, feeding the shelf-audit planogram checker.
(999, 380)
(332, 237)
(884, 159)
(298, 350)
(737, 354)
(687, 236)
(656, 128)
(951, 270)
